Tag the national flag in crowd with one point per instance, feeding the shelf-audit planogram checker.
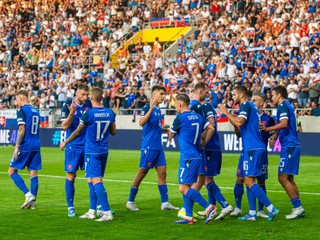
(221, 117)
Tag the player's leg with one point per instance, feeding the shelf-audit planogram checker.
(252, 168)
(74, 158)
(288, 167)
(287, 182)
(163, 189)
(187, 176)
(33, 166)
(260, 212)
(142, 172)
(91, 214)
(146, 162)
(95, 169)
(70, 191)
(103, 199)
(213, 167)
(161, 169)
(19, 164)
(261, 180)
(238, 188)
(197, 186)
(188, 205)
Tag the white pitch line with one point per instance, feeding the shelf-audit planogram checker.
(151, 183)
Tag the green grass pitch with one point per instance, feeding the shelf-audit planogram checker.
(50, 221)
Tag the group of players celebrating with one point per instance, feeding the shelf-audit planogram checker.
(88, 126)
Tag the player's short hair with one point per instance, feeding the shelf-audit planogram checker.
(158, 88)
(183, 98)
(200, 85)
(96, 94)
(242, 89)
(281, 90)
(261, 96)
(83, 86)
(23, 93)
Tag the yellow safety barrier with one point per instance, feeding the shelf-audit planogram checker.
(149, 35)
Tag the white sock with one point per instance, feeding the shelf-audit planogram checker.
(252, 212)
(28, 194)
(270, 207)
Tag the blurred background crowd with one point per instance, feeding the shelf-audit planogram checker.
(48, 47)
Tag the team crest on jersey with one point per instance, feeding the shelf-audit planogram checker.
(187, 163)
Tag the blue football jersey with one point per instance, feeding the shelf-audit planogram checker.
(207, 111)
(29, 116)
(196, 106)
(288, 136)
(268, 121)
(152, 130)
(80, 140)
(98, 121)
(250, 133)
(189, 126)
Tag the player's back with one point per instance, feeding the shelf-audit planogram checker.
(190, 126)
(288, 136)
(30, 117)
(250, 133)
(79, 141)
(151, 130)
(268, 121)
(98, 121)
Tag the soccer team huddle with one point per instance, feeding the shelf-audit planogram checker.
(88, 125)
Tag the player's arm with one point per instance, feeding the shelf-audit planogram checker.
(283, 124)
(21, 133)
(74, 134)
(237, 131)
(113, 127)
(273, 139)
(235, 121)
(284, 117)
(146, 113)
(209, 131)
(70, 111)
(174, 128)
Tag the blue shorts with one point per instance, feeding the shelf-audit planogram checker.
(188, 171)
(250, 163)
(152, 158)
(32, 160)
(240, 166)
(74, 159)
(264, 169)
(203, 163)
(213, 163)
(96, 164)
(289, 160)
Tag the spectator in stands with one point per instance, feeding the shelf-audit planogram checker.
(141, 99)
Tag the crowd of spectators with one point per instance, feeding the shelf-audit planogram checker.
(50, 46)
